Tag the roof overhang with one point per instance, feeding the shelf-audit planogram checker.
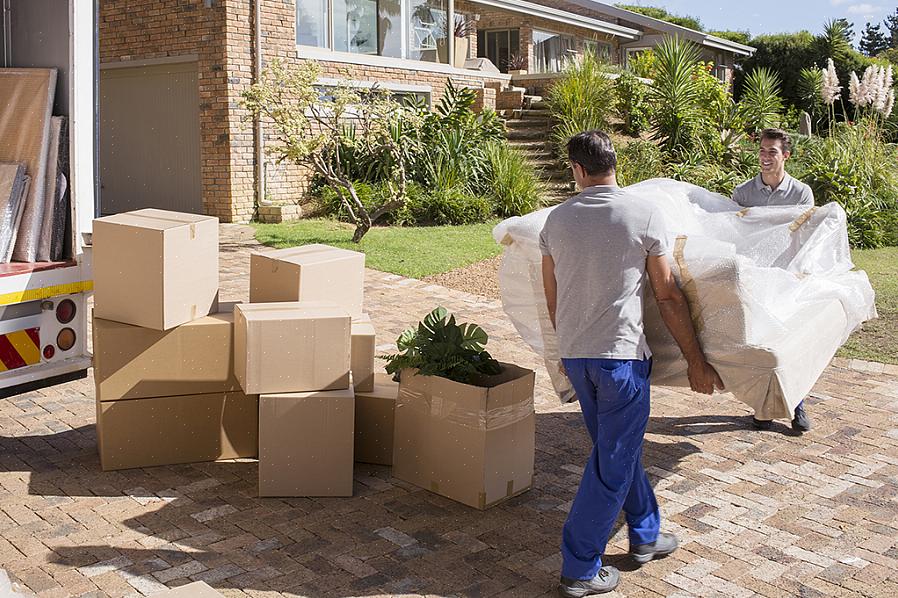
(561, 16)
(698, 37)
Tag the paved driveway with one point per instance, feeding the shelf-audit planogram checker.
(768, 514)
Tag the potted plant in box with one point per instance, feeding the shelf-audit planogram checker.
(464, 422)
(517, 65)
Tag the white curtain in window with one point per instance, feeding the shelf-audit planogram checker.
(551, 51)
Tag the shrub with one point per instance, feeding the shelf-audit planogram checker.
(514, 187)
(761, 102)
(675, 94)
(631, 105)
(581, 100)
(454, 206)
(637, 161)
(855, 168)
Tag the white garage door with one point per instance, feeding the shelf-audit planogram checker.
(150, 139)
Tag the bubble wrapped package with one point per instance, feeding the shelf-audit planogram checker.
(772, 292)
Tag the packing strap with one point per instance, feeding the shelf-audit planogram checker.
(742, 213)
(802, 219)
(689, 288)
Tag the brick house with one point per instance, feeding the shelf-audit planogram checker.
(173, 134)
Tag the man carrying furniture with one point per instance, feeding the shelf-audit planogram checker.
(597, 249)
(775, 187)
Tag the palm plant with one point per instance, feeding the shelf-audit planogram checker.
(810, 80)
(674, 94)
(761, 102)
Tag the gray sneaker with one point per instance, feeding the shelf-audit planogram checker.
(801, 422)
(605, 581)
(663, 546)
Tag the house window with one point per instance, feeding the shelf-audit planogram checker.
(413, 29)
(601, 50)
(311, 23)
(498, 46)
(551, 51)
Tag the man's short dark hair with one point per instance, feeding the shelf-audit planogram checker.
(778, 135)
(593, 151)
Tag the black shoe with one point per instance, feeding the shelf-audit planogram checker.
(801, 422)
(761, 424)
(605, 581)
(663, 546)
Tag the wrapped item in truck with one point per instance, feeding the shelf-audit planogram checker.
(772, 292)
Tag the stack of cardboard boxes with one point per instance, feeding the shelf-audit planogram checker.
(183, 379)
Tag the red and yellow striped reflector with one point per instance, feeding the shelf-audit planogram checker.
(19, 349)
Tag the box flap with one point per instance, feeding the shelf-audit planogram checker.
(153, 219)
(290, 310)
(312, 254)
(384, 388)
(362, 328)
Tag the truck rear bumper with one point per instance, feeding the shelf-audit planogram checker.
(43, 375)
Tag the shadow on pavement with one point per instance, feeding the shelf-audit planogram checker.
(174, 524)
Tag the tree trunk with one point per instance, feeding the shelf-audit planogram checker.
(361, 228)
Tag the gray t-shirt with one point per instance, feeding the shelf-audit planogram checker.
(599, 241)
(755, 193)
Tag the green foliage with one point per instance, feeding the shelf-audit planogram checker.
(855, 168)
(637, 161)
(631, 106)
(453, 206)
(514, 187)
(674, 94)
(643, 63)
(873, 40)
(740, 37)
(581, 100)
(808, 95)
(439, 346)
(761, 103)
(785, 54)
(662, 15)
(890, 55)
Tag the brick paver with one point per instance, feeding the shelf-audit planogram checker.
(758, 513)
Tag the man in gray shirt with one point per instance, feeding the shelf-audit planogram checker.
(599, 249)
(775, 187)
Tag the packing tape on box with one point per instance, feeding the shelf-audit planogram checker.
(451, 411)
(689, 288)
(802, 219)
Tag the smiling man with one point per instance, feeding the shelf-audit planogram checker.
(775, 187)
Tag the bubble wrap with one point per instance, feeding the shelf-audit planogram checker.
(772, 292)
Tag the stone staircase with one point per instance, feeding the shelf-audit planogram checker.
(528, 132)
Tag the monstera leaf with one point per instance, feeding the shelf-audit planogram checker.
(439, 346)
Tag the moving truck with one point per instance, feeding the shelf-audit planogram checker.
(44, 305)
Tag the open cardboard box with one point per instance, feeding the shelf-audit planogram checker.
(473, 444)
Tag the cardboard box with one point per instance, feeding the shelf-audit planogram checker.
(154, 268)
(469, 443)
(197, 589)
(309, 273)
(362, 353)
(182, 429)
(131, 362)
(291, 347)
(306, 443)
(374, 415)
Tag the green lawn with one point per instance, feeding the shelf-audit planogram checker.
(878, 341)
(415, 252)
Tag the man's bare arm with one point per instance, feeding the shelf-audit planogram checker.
(550, 286)
(675, 312)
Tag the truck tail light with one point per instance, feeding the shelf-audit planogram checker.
(49, 352)
(65, 340)
(65, 311)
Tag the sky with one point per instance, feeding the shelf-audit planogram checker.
(776, 16)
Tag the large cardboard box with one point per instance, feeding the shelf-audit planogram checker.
(182, 429)
(362, 353)
(306, 442)
(374, 417)
(309, 273)
(473, 444)
(131, 362)
(154, 268)
(197, 589)
(291, 347)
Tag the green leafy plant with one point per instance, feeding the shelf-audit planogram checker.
(514, 187)
(581, 100)
(637, 161)
(675, 94)
(632, 108)
(439, 346)
(761, 102)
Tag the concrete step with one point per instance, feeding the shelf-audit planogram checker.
(535, 114)
(527, 124)
(528, 134)
(530, 145)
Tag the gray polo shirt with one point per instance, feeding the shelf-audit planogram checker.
(599, 241)
(791, 192)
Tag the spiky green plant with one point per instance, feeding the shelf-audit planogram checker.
(583, 99)
(514, 186)
(674, 94)
(761, 102)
